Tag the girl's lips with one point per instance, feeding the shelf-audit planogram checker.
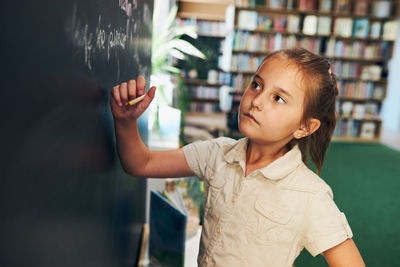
(248, 115)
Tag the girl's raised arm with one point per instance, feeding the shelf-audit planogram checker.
(135, 158)
(345, 254)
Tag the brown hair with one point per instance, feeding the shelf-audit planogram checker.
(319, 102)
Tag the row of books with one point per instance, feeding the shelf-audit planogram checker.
(356, 129)
(256, 42)
(361, 90)
(363, 28)
(204, 27)
(344, 69)
(240, 82)
(317, 25)
(204, 92)
(357, 49)
(204, 107)
(216, 76)
(245, 62)
(357, 7)
(349, 109)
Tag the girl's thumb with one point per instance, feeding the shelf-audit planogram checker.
(149, 95)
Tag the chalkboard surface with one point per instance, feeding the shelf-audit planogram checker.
(64, 198)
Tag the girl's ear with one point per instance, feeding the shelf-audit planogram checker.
(305, 130)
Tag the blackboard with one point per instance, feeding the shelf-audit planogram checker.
(64, 198)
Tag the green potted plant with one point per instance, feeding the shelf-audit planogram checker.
(167, 44)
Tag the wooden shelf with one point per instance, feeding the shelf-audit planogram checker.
(285, 32)
(371, 60)
(264, 9)
(357, 79)
(210, 35)
(201, 99)
(358, 99)
(202, 83)
(201, 114)
(355, 139)
(357, 119)
(368, 60)
(204, 16)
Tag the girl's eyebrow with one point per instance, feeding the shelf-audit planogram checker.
(259, 78)
(281, 90)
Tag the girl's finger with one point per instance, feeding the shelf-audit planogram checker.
(140, 86)
(123, 90)
(149, 96)
(116, 95)
(132, 89)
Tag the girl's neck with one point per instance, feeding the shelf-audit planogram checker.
(259, 155)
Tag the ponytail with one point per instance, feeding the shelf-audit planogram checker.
(319, 103)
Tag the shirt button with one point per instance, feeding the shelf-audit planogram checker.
(234, 199)
(219, 230)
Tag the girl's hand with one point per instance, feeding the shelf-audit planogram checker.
(123, 93)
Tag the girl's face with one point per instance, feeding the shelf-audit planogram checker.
(271, 108)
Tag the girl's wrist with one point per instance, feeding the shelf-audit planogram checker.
(125, 122)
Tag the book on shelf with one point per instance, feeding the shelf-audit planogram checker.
(343, 27)
(361, 27)
(264, 23)
(277, 4)
(346, 108)
(360, 7)
(310, 24)
(371, 72)
(390, 30)
(375, 29)
(381, 9)
(324, 25)
(358, 111)
(371, 109)
(279, 22)
(307, 5)
(348, 128)
(293, 23)
(379, 92)
(247, 20)
(245, 3)
(325, 5)
(167, 230)
(290, 4)
(342, 6)
(368, 130)
(361, 90)
(355, 49)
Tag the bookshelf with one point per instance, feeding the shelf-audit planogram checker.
(204, 78)
(356, 36)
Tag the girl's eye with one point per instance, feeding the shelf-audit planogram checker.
(255, 85)
(279, 99)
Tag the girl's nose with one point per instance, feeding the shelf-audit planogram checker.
(257, 102)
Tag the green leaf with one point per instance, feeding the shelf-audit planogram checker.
(176, 53)
(171, 69)
(187, 48)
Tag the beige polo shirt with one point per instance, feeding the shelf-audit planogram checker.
(267, 217)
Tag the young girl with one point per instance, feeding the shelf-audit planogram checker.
(262, 205)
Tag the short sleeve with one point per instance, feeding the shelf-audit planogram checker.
(197, 155)
(325, 226)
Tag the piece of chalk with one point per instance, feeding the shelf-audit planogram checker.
(136, 100)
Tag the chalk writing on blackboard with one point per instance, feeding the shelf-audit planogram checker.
(105, 37)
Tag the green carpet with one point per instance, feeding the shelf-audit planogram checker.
(365, 179)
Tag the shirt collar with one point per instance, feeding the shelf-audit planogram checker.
(276, 170)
